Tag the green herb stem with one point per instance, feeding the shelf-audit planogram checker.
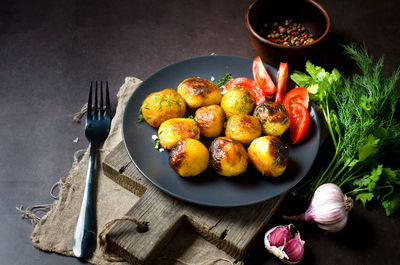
(347, 179)
(367, 189)
(342, 171)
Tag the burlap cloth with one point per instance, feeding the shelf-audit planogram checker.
(53, 232)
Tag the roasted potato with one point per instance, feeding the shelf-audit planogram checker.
(228, 157)
(237, 101)
(269, 155)
(243, 128)
(163, 105)
(211, 120)
(172, 130)
(199, 92)
(188, 157)
(273, 117)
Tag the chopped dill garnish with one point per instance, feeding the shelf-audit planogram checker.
(224, 79)
(158, 144)
(139, 115)
(284, 120)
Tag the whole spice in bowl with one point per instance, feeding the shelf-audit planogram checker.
(288, 33)
(286, 30)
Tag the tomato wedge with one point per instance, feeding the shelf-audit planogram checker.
(297, 95)
(299, 123)
(281, 82)
(296, 103)
(249, 85)
(262, 77)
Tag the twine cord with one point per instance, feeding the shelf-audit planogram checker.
(56, 185)
(77, 117)
(141, 226)
(30, 212)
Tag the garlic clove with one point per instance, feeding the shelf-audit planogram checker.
(279, 242)
(279, 235)
(294, 249)
(277, 252)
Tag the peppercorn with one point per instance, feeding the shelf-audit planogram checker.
(288, 33)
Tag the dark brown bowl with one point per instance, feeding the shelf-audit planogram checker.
(308, 12)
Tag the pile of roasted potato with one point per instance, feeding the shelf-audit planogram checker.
(233, 119)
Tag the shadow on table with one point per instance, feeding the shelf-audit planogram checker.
(330, 55)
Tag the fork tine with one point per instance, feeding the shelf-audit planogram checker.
(96, 108)
(101, 101)
(89, 107)
(108, 107)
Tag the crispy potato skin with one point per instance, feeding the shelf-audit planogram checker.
(172, 130)
(211, 120)
(273, 117)
(243, 128)
(228, 157)
(269, 155)
(199, 92)
(237, 101)
(163, 105)
(188, 157)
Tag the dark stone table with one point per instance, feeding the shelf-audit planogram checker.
(50, 50)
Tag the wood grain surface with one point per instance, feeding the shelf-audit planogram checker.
(230, 229)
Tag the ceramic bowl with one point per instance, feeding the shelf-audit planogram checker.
(265, 12)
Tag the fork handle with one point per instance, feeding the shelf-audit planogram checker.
(84, 238)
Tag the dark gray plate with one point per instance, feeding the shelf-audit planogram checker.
(209, 188)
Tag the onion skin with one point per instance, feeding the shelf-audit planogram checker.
(329, 208)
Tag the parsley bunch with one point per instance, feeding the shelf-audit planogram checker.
(360, 116)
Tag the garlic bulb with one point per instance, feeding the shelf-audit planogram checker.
(280, 243)
(329, 208)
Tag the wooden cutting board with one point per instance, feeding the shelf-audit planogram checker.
(230, 229)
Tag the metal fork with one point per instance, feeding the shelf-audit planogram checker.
(98, 123)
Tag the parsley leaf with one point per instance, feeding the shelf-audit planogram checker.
(364, 197)
(368, 148)
(392, 204)
(302, 79)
